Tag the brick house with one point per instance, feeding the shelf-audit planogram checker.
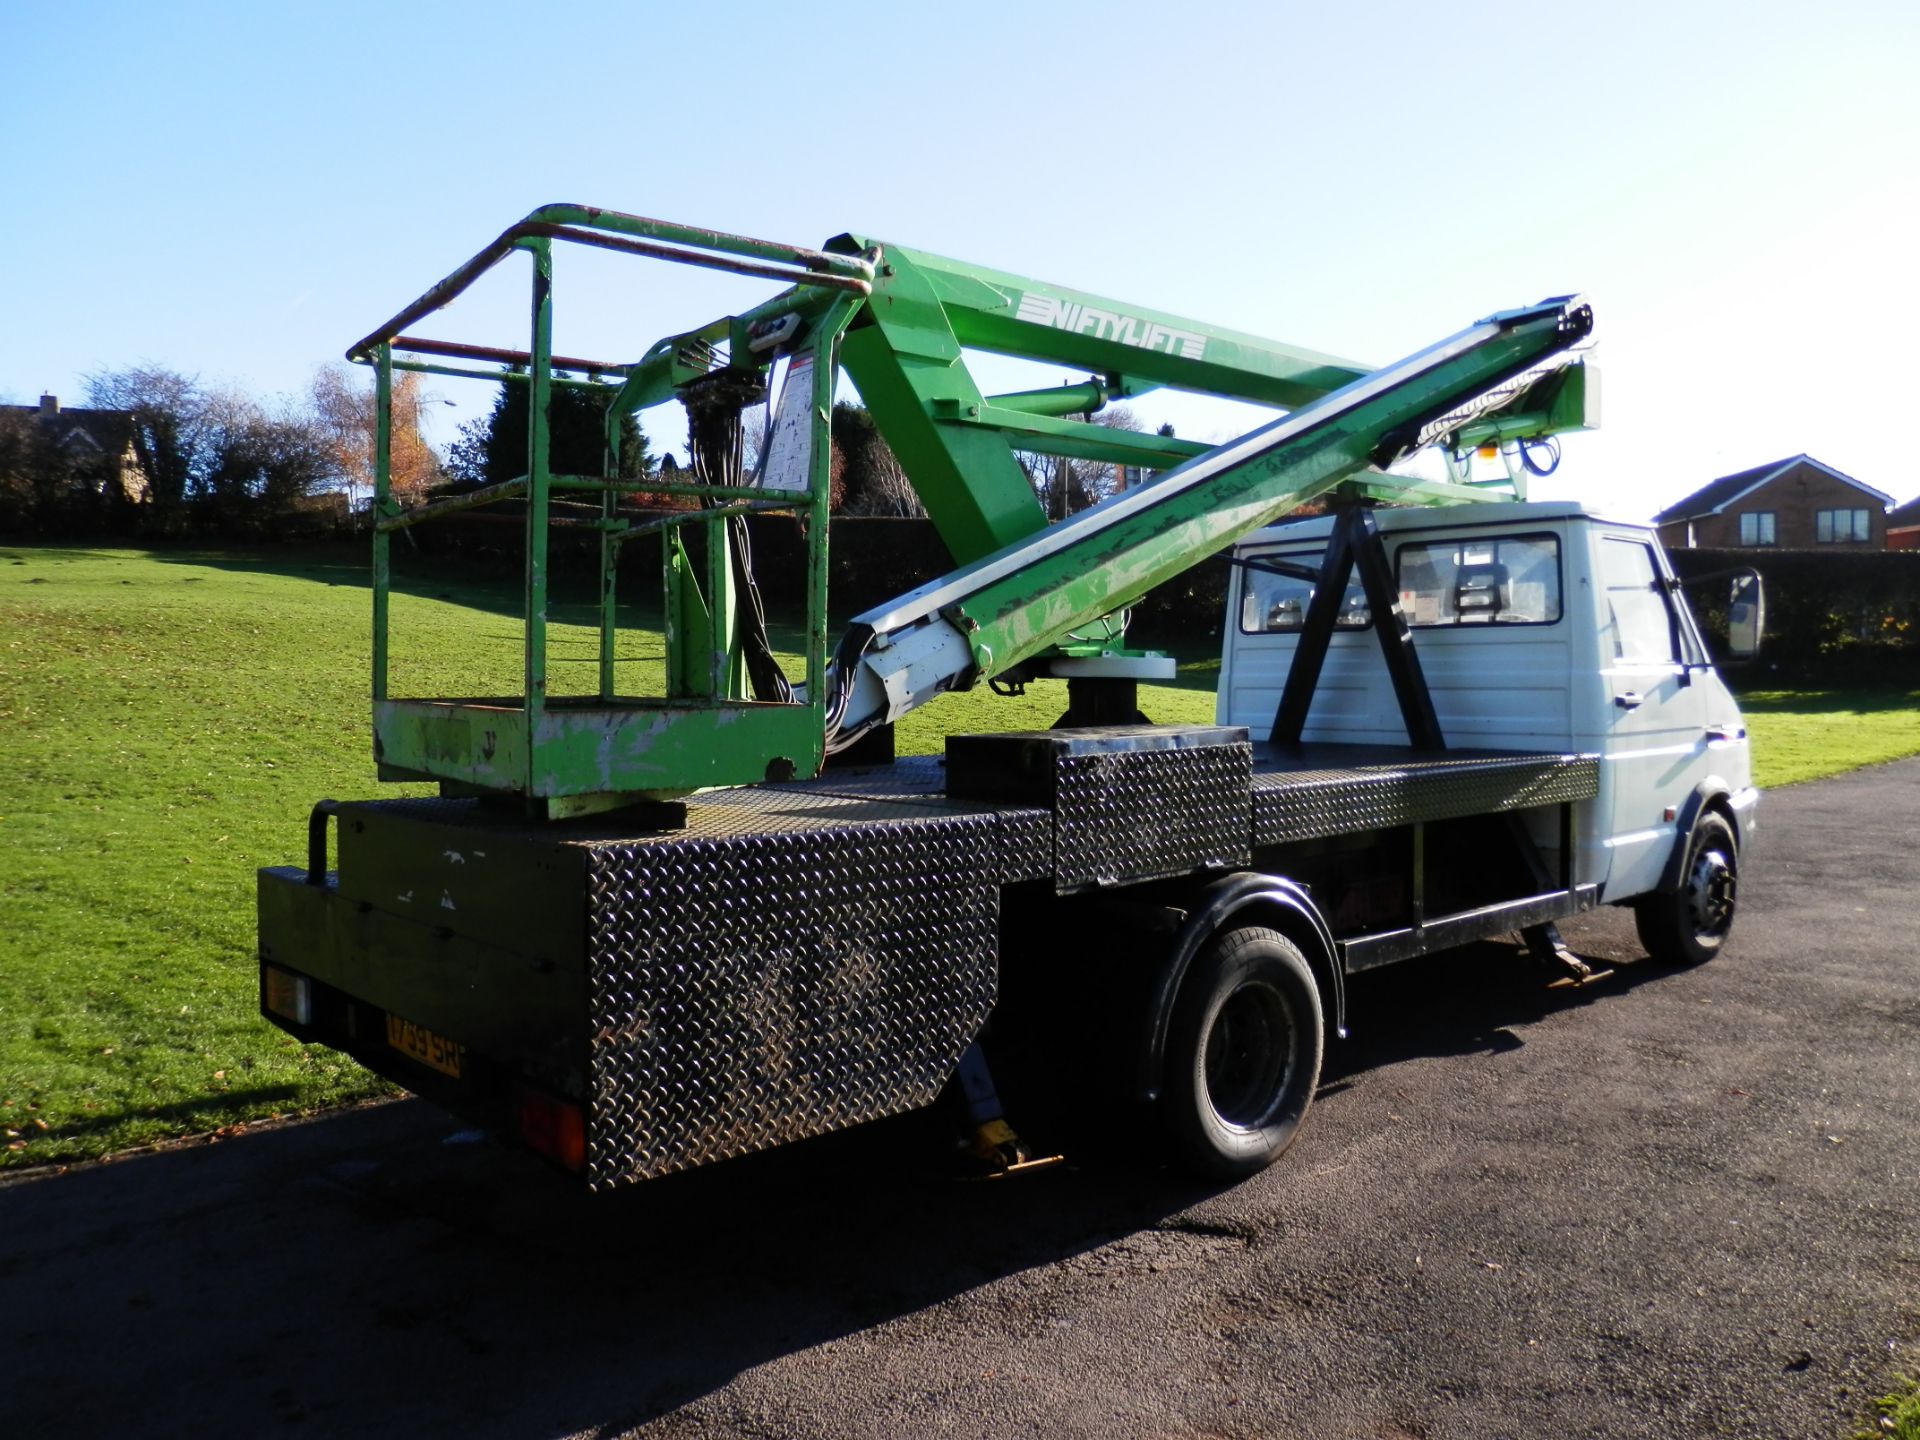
(1903, 527)
(1794, 504)
(99, 442)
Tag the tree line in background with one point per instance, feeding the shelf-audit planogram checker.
(155, 452)
(163, 454)
(160, 454)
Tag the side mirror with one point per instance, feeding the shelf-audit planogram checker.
(1746, 616)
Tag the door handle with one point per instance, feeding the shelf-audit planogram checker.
(1628, 700)
(1726, 732)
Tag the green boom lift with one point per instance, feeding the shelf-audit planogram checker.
(1018, 604)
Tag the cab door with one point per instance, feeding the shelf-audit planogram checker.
(1653, 732)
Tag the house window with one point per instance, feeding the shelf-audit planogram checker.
(1756, 527)
(1842, 527)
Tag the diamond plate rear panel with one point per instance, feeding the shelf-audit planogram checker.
(755, 987)
(1143, 814)
(1306, 803)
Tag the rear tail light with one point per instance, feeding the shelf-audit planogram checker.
(553, 1127)
(287, 995)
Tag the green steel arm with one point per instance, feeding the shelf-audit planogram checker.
(958, 447)
(1208, 504)
(907, 364)
(1049, 435)
(1012, 315)
(1013, 605)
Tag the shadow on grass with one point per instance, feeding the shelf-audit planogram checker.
(482, 586)
(349, 565)
(1199, 670)
(572, 599)
(333, 563)
(207, 1111)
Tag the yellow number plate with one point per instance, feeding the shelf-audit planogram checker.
(434, 1051)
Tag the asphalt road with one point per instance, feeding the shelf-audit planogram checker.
(1673, 1204)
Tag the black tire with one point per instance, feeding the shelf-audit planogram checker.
(1243, 1053)
(1690, 926)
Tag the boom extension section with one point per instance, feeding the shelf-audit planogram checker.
(988, 618)
(900, 322)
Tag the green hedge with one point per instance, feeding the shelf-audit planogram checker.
(871, 560)
(1832, 616)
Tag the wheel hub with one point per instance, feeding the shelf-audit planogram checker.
(1710, 893)
(1249, 1056)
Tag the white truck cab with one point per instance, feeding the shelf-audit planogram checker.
(1539, 627)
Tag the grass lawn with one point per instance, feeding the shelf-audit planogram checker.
(167, 720)
(1805, 734)
(1899, 1417)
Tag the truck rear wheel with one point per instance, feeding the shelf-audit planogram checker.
(1690, 925)
(1243, 1053)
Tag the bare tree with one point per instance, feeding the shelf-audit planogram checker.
(256, 453)
(1065, 485)
(886, 489)
(347, 422)
(221, 445)
(869, 478)
(168, 411)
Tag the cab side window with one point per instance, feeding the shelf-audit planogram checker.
(1639, 623)
(1278, 587)
(1509, 580)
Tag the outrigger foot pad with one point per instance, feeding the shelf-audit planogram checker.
(1000, 1152)
(994, 1149)
(1569, 971)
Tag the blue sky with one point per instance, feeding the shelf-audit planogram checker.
(239, 191)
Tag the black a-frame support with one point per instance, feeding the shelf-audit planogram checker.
(1356, 545)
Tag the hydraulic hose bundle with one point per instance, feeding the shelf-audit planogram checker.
(716, 450)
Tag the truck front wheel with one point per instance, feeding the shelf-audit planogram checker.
(1690, 925)
(1243, 1053)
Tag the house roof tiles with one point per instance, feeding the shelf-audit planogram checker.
(109, 431)
(1716, 495)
